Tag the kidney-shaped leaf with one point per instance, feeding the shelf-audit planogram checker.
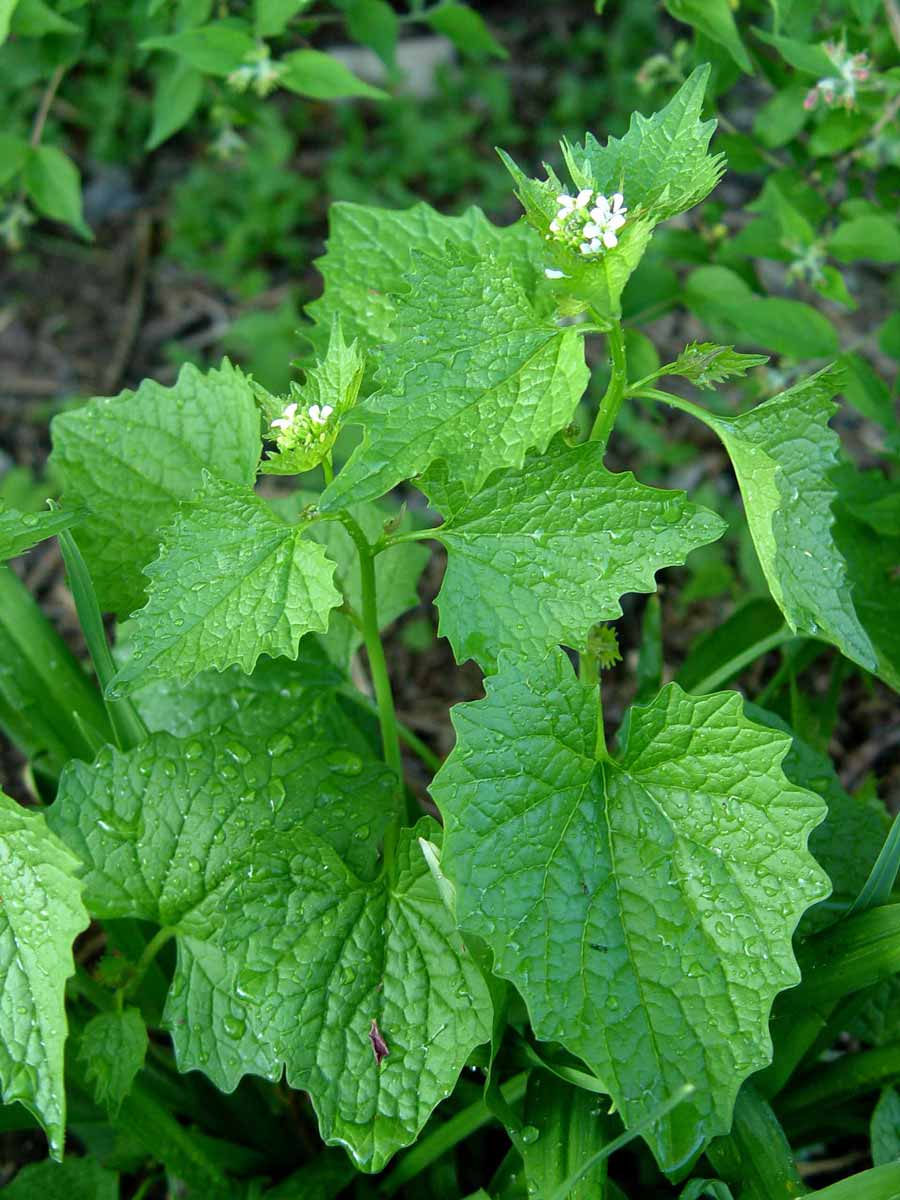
(292, 954)
(643, 905)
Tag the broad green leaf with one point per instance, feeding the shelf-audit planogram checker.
(886, 1128)
(370, 251)
(642, 905)
(465, 28)
(232, 581)
(215, 49)
(54, 184)
(715, 19)
(132, 458)
(733, 311)
(322, 77)
(40, 915)
(304, 435)
(542, 553)
(661, 165)
(14, 151)
(74, 1179)
(214, 697)
(782, 452)
(20, 531)
(112, 1050)
(873, 237)
(291, 955)
(473, 376)
(706, 1189)
(705, 363)
(175, 101)
(271, 17)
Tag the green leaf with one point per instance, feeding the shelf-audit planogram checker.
(370, 252)
(232, 581)
(291, 956)
(175, 101)
(473, 376)
(20, 531)
(812, 60)
(848, 841)
(40, 915)
(706, 1189)
(705, 363)
(542, 553)
(715, 20)
(569, 1131)
(74, 1179)
(14, 151)
(886, 1128)
(7, 8)
(132, 458)
(872, 237)
(644, 905)
(215, 49)
(373, 23)
(661, 165)
(872, 558)
(271, 17)
(881, 1183)
(312, 73)
(333, 383)
(732, 310)
(397, 571)
(34, 18)
(782, 452)
(112, 1050)
(465, 28)
(54, 184)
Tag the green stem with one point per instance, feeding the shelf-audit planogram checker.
(736, 664)
(589, 673)
(448, 1135)
(381, 683)
(142, 965)
(645, 393)
(409, 535)
(615, 392)
(433, 761)
(327, 468)
(128, 728)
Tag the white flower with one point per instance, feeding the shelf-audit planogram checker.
(286, 420)
(550, 273)
(588, 222)
(319, 416)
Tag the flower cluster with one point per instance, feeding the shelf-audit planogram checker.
(304, 429)
(257, 72)
(841, 88)
(589, 221)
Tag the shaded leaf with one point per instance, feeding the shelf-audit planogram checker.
(112, 1050)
